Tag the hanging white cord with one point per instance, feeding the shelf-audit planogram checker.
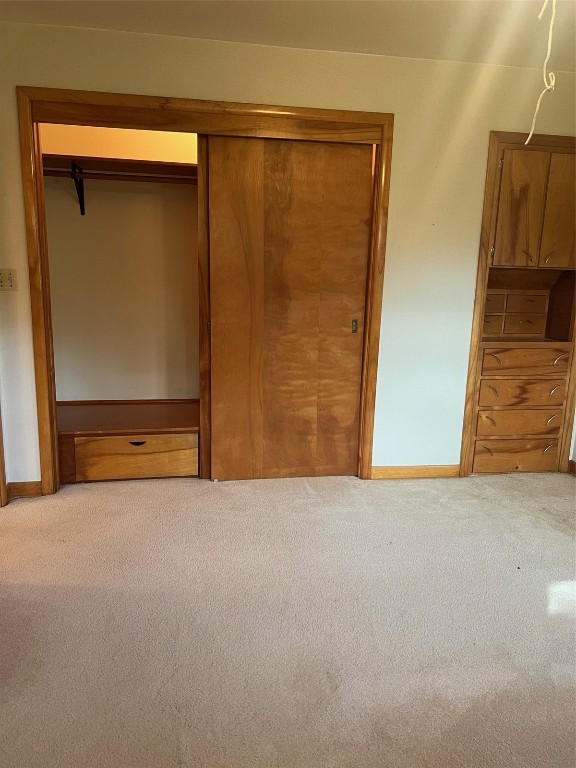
(549, 78)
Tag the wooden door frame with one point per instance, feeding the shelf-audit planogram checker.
(113, 110)
(499, 141)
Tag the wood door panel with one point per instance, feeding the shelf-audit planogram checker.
(559, 230)
(295, 304)
(520, 208)
(236, 229)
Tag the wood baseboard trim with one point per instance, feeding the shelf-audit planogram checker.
(572, 467)
(418, 472)
(24, 490)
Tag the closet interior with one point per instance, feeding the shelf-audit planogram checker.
(521, 388)
(121, 213)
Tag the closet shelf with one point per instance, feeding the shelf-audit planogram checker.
(115, 169)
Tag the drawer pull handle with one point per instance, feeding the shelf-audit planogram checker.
(547, 448)
(489, 419)
(137, 442)
(496, 391)
(492, 354)
(488, 322)
(547, 259)
(524, 322)
(528, 254)
(488, 449)
(555, 416)
(554, 390)
(564, 354)
(527, 301)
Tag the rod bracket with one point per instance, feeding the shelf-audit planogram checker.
(78, 179)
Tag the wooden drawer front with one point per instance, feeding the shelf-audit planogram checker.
(533, 324)
(526, 303)
(528, 361)
(522, 392)
(515, 456)
(493, 324)
(495, 302)
(519, 422)
(136, 456)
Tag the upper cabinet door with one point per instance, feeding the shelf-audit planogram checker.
(520, 208)
(558, 233)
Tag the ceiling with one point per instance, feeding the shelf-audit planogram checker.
(490, 31)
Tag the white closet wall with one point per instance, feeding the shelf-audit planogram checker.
(124, 290)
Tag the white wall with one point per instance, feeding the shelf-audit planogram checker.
(443, 114)
(124, 290)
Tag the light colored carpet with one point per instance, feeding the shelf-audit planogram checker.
(324, 623)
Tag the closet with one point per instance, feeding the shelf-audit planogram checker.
(521, 380)
(122, 240)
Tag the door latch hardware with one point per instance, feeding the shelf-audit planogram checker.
(354, 326)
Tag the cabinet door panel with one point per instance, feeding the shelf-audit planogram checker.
(520, 208)
(558, 233)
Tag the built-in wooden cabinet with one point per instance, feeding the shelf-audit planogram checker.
(535, 213)
(521, 380)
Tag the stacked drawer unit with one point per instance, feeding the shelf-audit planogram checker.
(521, 406)
(516, 313)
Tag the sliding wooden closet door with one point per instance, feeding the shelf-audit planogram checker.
(289, 238)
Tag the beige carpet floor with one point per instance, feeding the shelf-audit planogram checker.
(323, 623)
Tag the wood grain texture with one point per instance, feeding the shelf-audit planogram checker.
(495, 302)
(519, 392)
(569, 408)
(557, 247)
(37, 246)
(534, 325)
(507, 423)
(374, 293)
(116, 110)
(125, 417)
(23, 490)
(3, 487)
(131, 111)
(416, 472)
(572, 467)
(66, 459)
(521, 455)
(521, 208)
(475, 357)
(561, 309)
(136, 456)
(288, 276)
(204, 319)
(551, 360)
(527, 303)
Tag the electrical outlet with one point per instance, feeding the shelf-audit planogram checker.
(8, 280)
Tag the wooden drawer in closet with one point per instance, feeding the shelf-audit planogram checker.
(136, 456)
(525, 361)
(518, 421)
(506, 392)
(495, 302)
(493, 325)
(527, 303)
(531, 324)
(522, 455)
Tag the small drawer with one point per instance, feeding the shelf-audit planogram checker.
(528, 361)
(495, 302)
(503, 423)
(493, 325)
(532, 324)
(136, 456)
(522, 392)
(515, 455)
(526, 303)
